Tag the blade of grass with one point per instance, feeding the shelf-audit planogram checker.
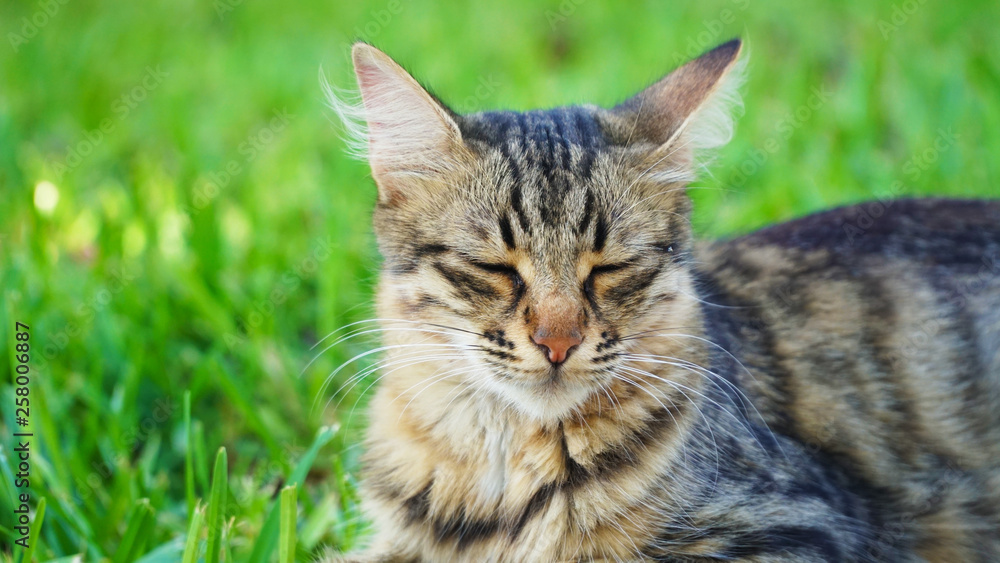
(35, 532)
(188, 456)
(269, 532)
(200, 455)
(289, 516)
(139, 527)
(165, 553)
(217, 507)
(193, 535)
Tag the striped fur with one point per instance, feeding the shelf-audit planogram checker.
(809, 392)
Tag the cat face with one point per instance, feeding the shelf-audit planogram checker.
(539, 242)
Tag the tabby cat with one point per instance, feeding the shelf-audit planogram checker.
(570, 376)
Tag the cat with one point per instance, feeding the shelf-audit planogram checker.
(570, 376)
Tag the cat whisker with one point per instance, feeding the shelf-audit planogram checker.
(704, 372)
(446, 327)
(678, 362)
(668, 410)
(460, 390)
(405, 360)
(680, 388)
(431, 381)
(355, 323)
(655, 330)
(383, 375)
(340, 368)
(395, 364)
(361, 332)
(708, 303)
(706, 341)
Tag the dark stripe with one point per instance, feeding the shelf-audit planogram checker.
(954, 305)
(506, 232)
(498, 337)
(600, 234)
(512, 164)
(576, 474)
(881, 323)
(418, 505)
(616, 458)
(564, 149)
(785, 540)
(517, 206)
(464, 531)
(468, 285)
(606, 357)
(499, 354)
(588, 292)
(632, 290)
(539, 500)
(588, 213)
(587, 128)
(747, 325)
(383, 486)
(424, 250)
(425, 300)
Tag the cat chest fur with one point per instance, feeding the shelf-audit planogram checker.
(483, 487)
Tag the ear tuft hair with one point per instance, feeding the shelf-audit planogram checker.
(684, 115)
(713, 124)
(406, 134)
(350, 111)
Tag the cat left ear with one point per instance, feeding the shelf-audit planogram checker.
(410, 133)
(682, 105)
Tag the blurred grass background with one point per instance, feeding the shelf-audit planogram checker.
(177, 214)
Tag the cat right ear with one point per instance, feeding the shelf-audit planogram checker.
(687, 110)
(411, 136)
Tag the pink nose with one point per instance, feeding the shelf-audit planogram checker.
(556, 347)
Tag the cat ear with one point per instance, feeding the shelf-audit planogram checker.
(410, 134)
(689, 108)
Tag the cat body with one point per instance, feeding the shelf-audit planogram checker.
(570, 376)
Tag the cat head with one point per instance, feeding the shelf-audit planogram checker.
(539, 242)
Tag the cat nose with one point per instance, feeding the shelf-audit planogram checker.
(556, 347)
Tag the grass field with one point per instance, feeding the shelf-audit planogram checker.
(177, 217)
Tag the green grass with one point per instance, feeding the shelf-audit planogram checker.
(145, 283)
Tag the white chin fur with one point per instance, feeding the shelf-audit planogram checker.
(544, 403)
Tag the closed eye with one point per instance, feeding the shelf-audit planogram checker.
(504, 269)
(609, 268)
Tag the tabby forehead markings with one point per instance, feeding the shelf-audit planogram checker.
(554, 149)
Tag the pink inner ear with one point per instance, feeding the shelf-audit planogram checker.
(407, 130)
(372, 81)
